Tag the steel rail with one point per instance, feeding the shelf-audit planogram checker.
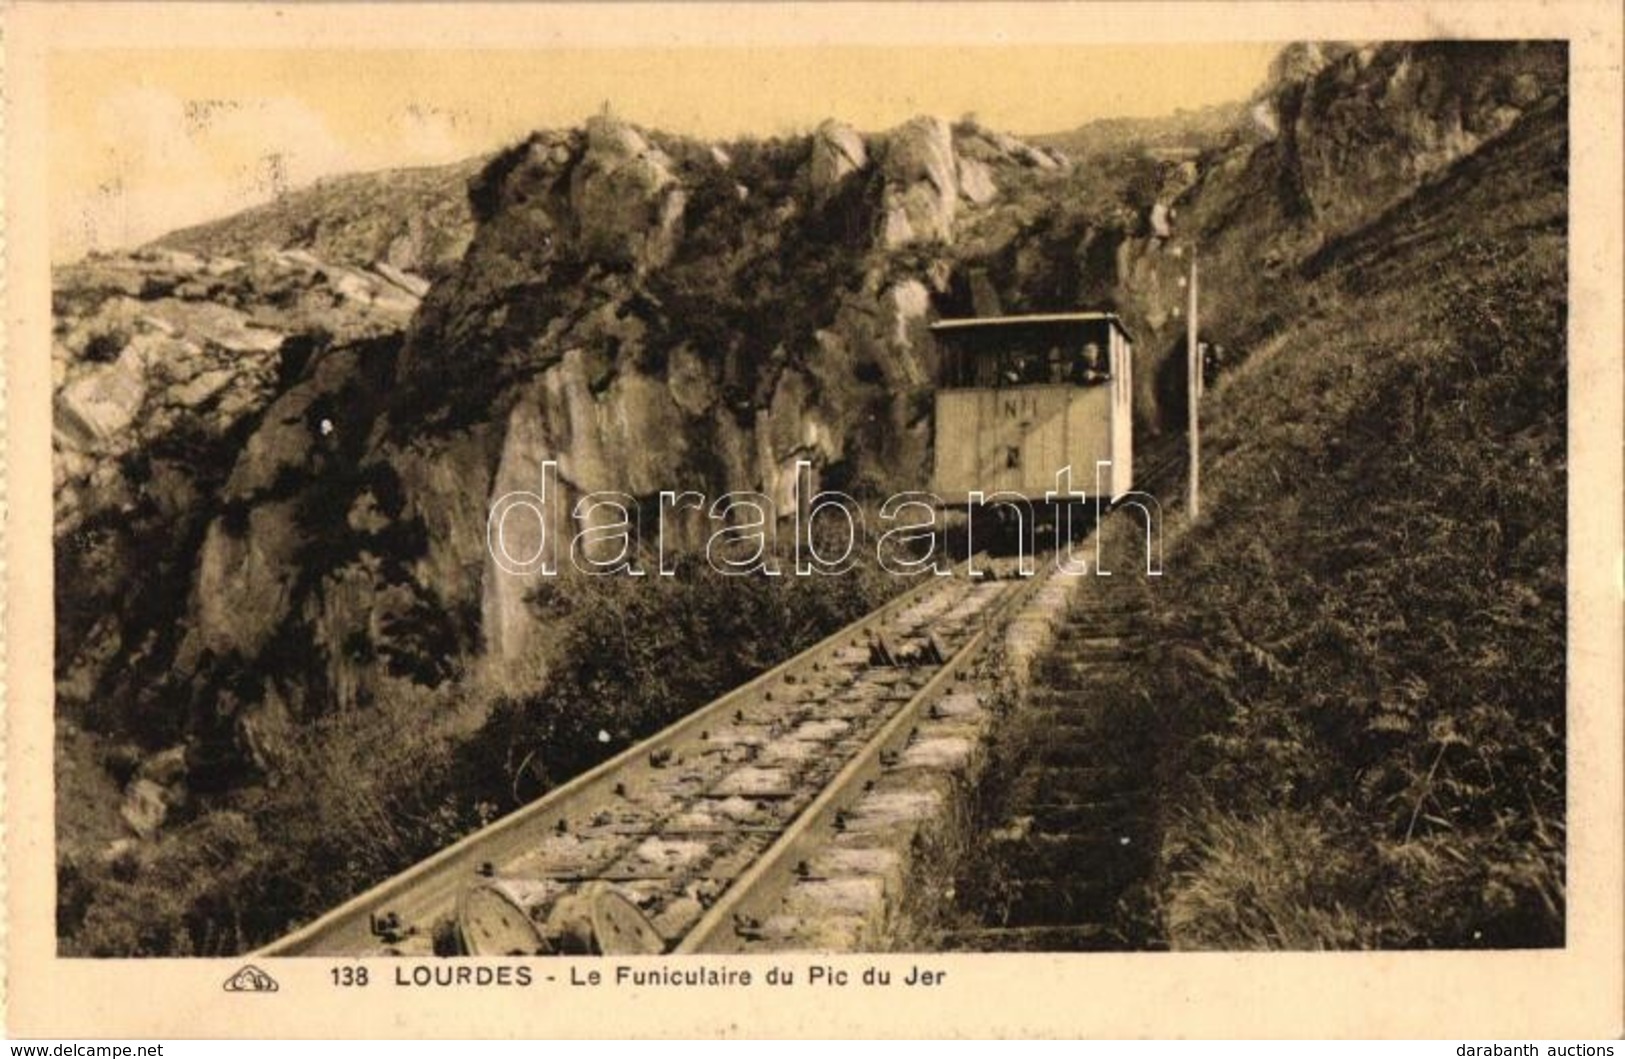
(429, 888)
(753, 893)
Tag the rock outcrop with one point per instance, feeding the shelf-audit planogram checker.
(275, 462)
(922, 183)
(1340, 135)
(166, 363)
(624, 198)
(837, 152)
(1363, 127)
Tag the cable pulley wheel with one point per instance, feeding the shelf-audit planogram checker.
(493, 922)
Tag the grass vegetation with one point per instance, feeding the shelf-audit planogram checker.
(1361, 660)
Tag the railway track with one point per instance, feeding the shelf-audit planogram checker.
(679, 842)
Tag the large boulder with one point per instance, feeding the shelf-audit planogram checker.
(992, 147)
(158, 786)
(145, 807)
(624, 198)
(837, 152)
(922, 184)
(976, 181)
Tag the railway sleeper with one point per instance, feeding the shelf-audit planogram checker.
(1056, 901)
(1123, 753)
(1051, 937)
(818, 933)
(1088, 782)
(1116, 816)
(1120, 854)
(1080, 721)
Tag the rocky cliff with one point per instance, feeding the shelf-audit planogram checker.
(278, 435)
(1339, 136)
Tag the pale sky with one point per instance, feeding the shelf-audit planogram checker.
(143, 142)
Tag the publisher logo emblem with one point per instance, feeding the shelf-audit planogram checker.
(250, 980)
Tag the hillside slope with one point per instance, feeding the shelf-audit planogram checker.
(1362, 660)
(1183, 134)
(417, 220)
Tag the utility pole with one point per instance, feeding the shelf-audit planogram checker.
(1194, 390)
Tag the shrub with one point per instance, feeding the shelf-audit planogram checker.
(362, 795)
(614, 640)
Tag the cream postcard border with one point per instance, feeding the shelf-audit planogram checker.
(1575, 992)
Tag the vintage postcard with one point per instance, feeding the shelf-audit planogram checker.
(780, 520)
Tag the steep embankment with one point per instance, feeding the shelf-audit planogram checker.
(1363, 650)
(1339, 723)
(1371, 622)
